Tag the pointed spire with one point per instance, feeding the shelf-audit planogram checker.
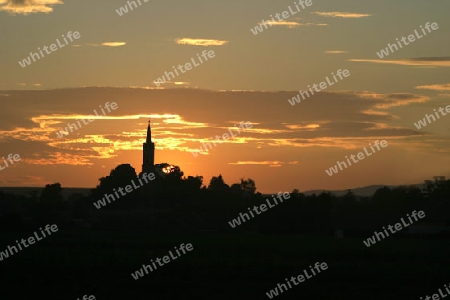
(149, 133)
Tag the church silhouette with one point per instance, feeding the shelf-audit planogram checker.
(148, 152)
(148, 158)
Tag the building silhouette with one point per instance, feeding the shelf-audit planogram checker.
(148, 160)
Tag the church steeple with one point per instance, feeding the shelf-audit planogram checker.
(148, 159)
(149, 133)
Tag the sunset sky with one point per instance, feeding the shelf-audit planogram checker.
(251, 78)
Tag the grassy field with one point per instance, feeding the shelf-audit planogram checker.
(68, 265)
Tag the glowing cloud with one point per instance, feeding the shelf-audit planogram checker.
(424, 61)
(26, 7)
(113, 44)
(200, 42)
(282, 23)
(275, 163)
(336, 14)
(336, 52)
(435, 87)
(289, 24)
(298, 127)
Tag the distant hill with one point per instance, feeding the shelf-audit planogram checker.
(366, 191)
(26, 191)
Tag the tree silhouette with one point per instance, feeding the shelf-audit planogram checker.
(51, 196)
(349, 198)
(218, 185)
(248, 186)
(51, 205)
(120, 176)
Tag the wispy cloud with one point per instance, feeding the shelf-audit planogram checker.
(282, 23)
(421, 61)
(302, 127)
(92, 144)
(290, 24)
(113, 44)
(274, 163)
(435, 87)
(200, 42)
(106, 44)
(181, 83)
(336, 14)
(336, 52)
(385, 101)
(26, 7)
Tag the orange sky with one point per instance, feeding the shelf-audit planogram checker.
(288, 146)
(117, 58)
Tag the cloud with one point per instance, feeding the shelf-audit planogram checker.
(290, 24)
(351, 120)
(26, 7)
(308, 126)
(275, 163)
(421, 61)
(336, 14)
(200, 42)
(144, 87)
(385, 101)
(435, 87)
(281, 23)
(336, 52)
(58, 158)
(106, 44)
(113, 44)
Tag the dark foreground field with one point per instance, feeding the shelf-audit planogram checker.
(68, 265)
